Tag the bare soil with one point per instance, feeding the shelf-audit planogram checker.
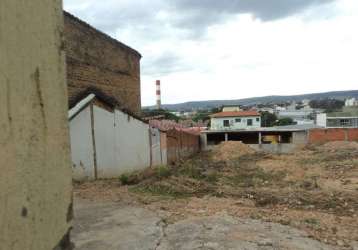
(314, 189)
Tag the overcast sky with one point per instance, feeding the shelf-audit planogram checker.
(231, 49)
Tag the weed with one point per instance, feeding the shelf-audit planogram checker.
(124, 179)
(162, 171)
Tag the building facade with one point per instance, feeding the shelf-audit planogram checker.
(96, 60)
(235, 120)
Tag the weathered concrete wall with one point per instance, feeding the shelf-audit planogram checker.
(299, 137)
(282, 148)
(35, 179)
(96, 60)
(332, 134)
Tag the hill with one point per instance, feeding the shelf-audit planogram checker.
(341, 95)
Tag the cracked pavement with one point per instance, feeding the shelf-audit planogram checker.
(112, 225)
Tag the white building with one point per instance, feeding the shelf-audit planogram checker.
(351, 102)
(107, 141)
(348, 118)
(235, 120)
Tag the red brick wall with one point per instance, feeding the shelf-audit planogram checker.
(332, 134)
(180, 145)
(96, 60)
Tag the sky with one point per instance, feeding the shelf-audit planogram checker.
(233, 49)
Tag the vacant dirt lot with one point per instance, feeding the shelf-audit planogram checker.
(230, 198)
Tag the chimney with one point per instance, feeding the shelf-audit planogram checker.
(159, 101)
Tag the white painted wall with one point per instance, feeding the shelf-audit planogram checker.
(218, 123)
(156, 151)
(321, 120)
(106, 150)
(122, 144)
(81, 145)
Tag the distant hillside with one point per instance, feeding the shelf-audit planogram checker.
(259, 100)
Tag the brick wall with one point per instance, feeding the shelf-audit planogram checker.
(332, 134)
(181, 144)
(96, 60)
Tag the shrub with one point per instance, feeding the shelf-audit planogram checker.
(163, 171)
(124, 179)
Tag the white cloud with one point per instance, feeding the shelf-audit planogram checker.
(240, 56)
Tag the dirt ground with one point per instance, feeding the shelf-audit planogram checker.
(314, 191)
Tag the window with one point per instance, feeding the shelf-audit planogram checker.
(345, 122)
(238, 120)
(226, 123)
(257, 119)
(249, 122)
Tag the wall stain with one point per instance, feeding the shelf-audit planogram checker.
(36, 78)
(24, 212)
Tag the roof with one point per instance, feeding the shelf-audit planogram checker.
(166, 125)
(84, 98)
(104, 35)
(235, 114)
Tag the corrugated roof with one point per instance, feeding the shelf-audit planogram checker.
(236, 114)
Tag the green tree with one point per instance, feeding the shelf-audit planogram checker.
(285, 121)
(328, 105)
(268, 119)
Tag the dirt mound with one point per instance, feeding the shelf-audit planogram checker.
(231, 150)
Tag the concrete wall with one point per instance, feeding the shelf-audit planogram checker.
(35, 179)
(82, 150)
(121, 143)
(132, 137)
(299, 137)
(282, 148)
(158, 154)
(218, 123)
(95, 59)
(107, 150)
(321, 120)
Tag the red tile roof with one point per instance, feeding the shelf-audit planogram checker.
(236, 114)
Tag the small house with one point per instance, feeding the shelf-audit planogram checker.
(235, 120)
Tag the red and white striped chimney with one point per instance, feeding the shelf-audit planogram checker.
(159, 100)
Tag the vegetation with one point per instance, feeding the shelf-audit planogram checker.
(329, 105)
(268, 119)
(160, 112)
(285, 122)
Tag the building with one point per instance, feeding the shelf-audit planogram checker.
(347, 118)
(231, 108)
(96, 60)
(351, 102)
(35, 181)
(107, 140)
(235, 120)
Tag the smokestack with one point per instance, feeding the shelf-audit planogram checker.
(159, 101)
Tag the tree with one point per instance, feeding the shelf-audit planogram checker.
(268, 119)
(285, 121)
(161, 112)
(328, 105)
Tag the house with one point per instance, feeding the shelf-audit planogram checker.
(235, 120)
(347, 118)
